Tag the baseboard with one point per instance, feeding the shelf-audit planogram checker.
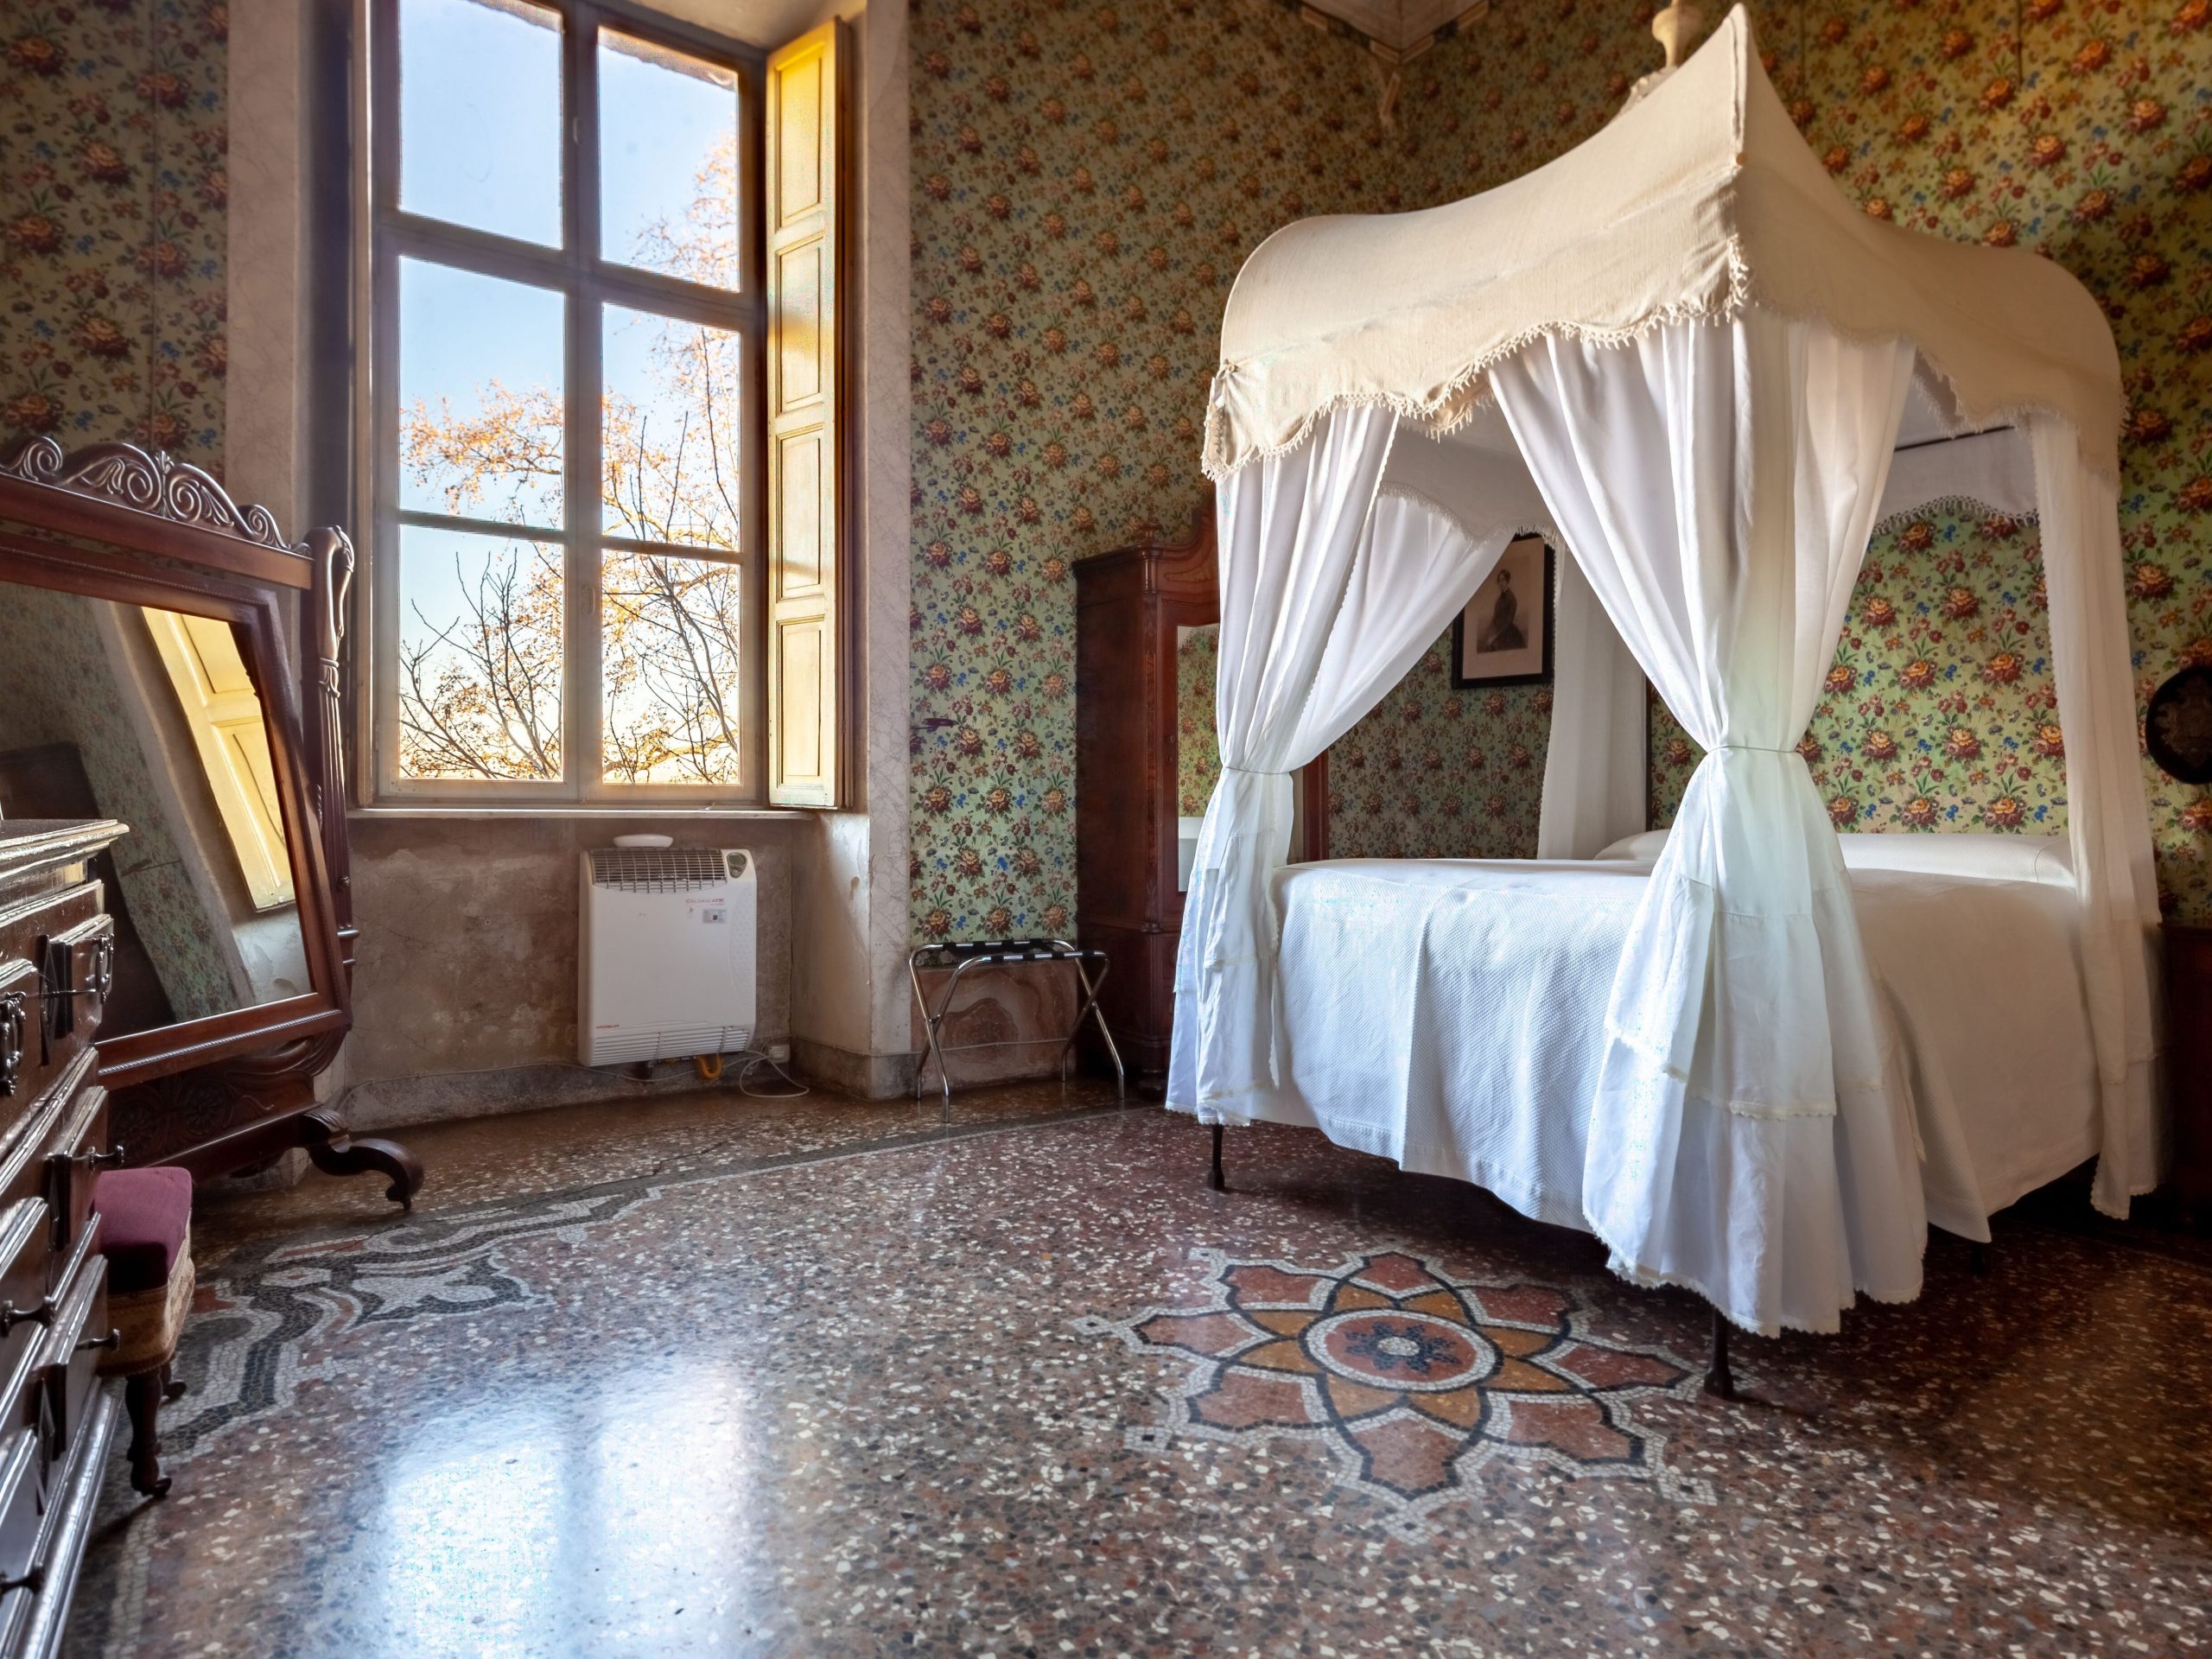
(401, 1102)
(404, 1102)
(869, 1076)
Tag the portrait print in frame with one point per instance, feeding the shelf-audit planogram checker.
(1503, 637)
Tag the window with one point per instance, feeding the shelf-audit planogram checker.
(605, 472)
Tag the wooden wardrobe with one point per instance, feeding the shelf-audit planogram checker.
(1130, 606)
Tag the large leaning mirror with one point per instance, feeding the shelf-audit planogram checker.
(149, 633)
(150, 716)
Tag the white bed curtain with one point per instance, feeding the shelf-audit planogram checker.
(1749, 1138)
(2106, 814)
(1595, 776)
(1329, 593)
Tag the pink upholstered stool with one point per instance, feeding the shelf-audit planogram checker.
(145, 1222)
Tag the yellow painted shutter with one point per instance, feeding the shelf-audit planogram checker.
(224, 711)
(804, 117)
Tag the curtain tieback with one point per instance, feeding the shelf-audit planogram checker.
(1752, 748)
(1252, 772)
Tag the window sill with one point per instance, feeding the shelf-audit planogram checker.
(644, 813)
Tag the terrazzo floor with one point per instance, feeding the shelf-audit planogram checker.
(706, 1375)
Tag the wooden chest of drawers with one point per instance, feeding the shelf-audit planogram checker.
(56, 966)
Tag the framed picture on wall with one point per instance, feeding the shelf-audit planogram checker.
(1504, 635)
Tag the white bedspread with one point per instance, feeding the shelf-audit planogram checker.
(1449, 1014)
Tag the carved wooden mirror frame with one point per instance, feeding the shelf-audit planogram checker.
(232, 1090)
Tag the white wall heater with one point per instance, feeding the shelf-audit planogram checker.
(666, 963)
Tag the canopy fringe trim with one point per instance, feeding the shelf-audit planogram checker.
(1507, 526)
(1963, 506)
(1467, 392)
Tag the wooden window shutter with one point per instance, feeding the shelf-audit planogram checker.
(804, 119)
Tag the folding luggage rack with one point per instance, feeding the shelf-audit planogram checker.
(960, 955)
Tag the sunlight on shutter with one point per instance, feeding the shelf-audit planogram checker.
(224, 711)
(805, 110)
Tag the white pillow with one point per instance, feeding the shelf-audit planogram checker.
(2047, 859)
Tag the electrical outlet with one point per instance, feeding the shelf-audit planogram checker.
(779, 1052)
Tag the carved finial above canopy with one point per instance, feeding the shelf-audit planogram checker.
(157, 484)
(1675, 29)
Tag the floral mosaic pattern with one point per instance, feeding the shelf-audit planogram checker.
(1412, 1380)
(112, 230)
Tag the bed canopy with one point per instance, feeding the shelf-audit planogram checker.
(1678, 352)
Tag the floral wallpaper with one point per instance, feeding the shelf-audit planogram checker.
(112, 227)
(1939, 712)
(1089, 178)
(2082, 130)
(1198, 749)
(1432, 772)
(1439, 773)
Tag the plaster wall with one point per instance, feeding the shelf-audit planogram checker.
(850, 992)
(466, 991)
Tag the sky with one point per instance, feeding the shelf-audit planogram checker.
(480, 97)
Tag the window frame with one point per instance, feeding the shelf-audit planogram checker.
(588, 282)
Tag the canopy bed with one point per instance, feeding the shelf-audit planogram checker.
(1680, 355)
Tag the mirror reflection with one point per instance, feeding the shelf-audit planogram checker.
(150, 717)
(1197, 754)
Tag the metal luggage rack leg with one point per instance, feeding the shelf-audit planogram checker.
(960, 955)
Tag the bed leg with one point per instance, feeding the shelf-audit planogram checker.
(1214, 1178)
(1719, 1381)
(1978, 1259)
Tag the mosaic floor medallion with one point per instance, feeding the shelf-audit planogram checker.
(1412, 1379)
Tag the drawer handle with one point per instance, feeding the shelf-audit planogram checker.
(100, 972)
(15, 1026)
(112, 1159)
(113, 1339)
(11, 1316)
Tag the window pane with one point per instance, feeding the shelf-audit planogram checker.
(480, 404)
(667, 161)
(671, 430)
(479, 656)
(669, 669)
(479, 115)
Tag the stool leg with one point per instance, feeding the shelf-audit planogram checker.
(142, 1397)
(1214, 1177)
